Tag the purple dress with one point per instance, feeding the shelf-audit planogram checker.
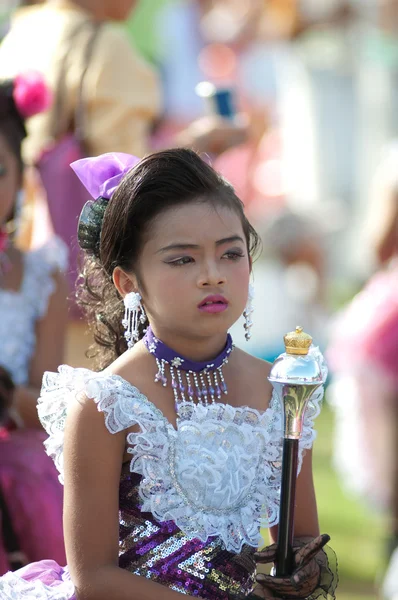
(193, 498)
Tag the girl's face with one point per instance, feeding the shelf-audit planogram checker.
(9, 180)
(195, 271)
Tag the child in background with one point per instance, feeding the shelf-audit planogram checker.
(32, 330)
(363, 356)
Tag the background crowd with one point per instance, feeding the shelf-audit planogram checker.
(296, 103)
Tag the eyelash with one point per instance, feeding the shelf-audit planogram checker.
(232, 255)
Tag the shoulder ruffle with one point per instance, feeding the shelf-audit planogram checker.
(40, 265)
(53, 253)
(43, 580)
(122, 404)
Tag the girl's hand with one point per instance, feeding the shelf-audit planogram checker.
(262, 594)
(258, 594)
(213, 134)
(306, 576)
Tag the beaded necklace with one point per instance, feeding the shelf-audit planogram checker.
(190, 380)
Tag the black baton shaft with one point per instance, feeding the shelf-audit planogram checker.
(284, 555)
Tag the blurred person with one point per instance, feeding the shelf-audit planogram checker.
(106, 96)
(212, 35)
(378, 70)
(245, 47)
(282, 162)
(363, 356)
(280, 166)
(121, 95)
(32, 330)
(349, 56)
(325, 35)
(181, 45)
(289, 282)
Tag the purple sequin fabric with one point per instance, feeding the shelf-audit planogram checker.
(163, 553)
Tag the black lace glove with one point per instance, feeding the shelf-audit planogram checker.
(314, 575)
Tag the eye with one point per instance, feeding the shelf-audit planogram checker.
(3, 170)
(234, 254)
(179, 262)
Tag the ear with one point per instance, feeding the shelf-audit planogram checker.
(250, 264)
(124, 282)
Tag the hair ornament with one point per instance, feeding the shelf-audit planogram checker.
(100, 175)
(89, 226)
(30, 93)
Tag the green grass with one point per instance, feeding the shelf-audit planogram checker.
(357, 532)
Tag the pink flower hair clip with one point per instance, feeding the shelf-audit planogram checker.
(31, 94)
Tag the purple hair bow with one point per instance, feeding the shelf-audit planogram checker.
(101, 175)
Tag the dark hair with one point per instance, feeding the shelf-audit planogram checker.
(160, 181)
(12, 124)
(7, 388)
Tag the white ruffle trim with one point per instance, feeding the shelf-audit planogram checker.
(122, 404)
(217, 474)
(20, 310)
(41, 264)
(13, 587)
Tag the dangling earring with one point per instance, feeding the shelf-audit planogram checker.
(132, 317)
(248, 312)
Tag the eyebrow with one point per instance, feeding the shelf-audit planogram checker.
(227, 240)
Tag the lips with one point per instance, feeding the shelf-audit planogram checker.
(213, 304)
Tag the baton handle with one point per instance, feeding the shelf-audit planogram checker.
(284, 554)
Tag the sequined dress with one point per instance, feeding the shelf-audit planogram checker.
(193, 498)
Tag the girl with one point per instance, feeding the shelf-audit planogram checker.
(32, 325)
(363, 355)
(178, 433)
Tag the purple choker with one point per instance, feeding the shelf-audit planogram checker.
(190, 380)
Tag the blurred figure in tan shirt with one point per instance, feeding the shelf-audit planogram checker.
(121, 91)
(121, 94)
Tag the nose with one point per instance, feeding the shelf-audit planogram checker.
(211, 275)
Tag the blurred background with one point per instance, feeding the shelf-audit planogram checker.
(305, 94)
